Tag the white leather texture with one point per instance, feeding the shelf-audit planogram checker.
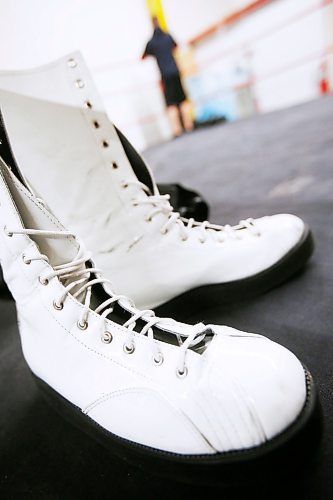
(243, 390)
(69, 163)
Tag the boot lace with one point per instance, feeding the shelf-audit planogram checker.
(78, 279)
(161, 205)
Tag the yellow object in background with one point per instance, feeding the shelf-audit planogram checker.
(155, 8)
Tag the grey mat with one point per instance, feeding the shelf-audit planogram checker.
(281, 162)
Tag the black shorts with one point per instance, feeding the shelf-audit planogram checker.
(173, 90)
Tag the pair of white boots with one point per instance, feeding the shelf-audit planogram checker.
(152, 387)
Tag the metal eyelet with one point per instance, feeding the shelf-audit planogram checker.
(105, 144)
(107, 337)
(57, 306)
(26, 261)
(71, 63)
(88, 105)
(8, 233)
(158, 361)
(182, 373)
(114, 164)
(124, 185)
(82, 326)
(129, 349)
(148, 219)
(79, 84)
(43, 281)
(96, 124)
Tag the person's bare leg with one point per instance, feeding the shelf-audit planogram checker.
(186, 112)
(176, 125)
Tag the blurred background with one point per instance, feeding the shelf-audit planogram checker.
(237, 57)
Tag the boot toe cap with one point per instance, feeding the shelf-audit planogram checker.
(252, 390)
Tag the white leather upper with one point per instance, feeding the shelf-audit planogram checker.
(67, 161)
(240, 392)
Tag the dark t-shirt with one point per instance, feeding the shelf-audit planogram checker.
(161, 46)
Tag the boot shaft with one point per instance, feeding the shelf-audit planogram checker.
(65, 144)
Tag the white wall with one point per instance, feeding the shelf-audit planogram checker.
(187, 18)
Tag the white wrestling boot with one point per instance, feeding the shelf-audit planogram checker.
(72, 156)
(148, 388)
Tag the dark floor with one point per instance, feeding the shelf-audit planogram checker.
(281, 162)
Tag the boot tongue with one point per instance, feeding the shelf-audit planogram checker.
(137, 163)
(32, 212)
(35, 216)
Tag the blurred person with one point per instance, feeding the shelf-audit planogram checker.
(161, 46)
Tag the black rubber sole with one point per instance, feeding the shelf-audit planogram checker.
(289, 448)
(207, 296)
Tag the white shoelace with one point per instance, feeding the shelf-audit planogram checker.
(161, 205)
(77, 280)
